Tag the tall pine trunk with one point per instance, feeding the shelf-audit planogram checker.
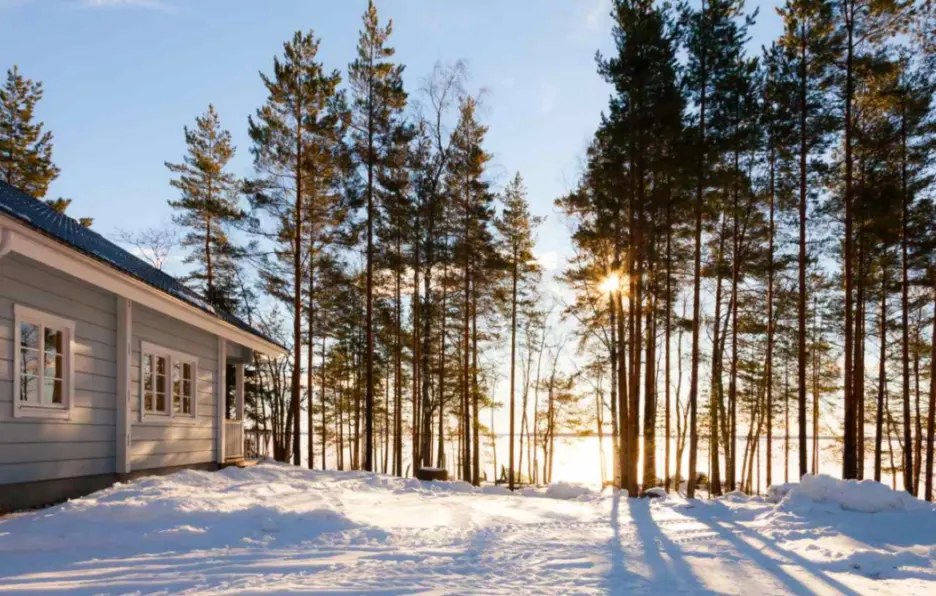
(801, 295)
(849, 459)
(931, 416)
(882, 376)
(666, 341)
(440, 454)
(466, 380)
(513, 364)
(324, 427)
(310, 373)
(398, 367)
(768, 367)
(858, 383)
(650, 405)
(716, 393)
(615, 435)
(297, 289)
(369, 292)
(475, 391)
(909, 484)
(417, 346)
(636, 339)
(696, 279)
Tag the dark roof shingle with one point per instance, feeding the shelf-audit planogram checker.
(42, 218)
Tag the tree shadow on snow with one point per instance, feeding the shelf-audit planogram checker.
(733, 532)
(669, 573)
(672, 568)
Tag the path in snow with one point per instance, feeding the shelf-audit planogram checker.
(279, 528)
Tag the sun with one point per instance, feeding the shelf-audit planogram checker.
(611, 283)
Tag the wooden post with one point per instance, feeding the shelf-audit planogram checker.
(239, 384)
(221, 396)
(124, 393)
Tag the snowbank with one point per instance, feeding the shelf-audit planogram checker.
(567, 490)
(866, 496)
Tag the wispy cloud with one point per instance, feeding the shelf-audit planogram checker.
(548, 98)
(160, 5)
(596, 14)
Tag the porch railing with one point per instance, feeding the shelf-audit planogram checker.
(233, 439)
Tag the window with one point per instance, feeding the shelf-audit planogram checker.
(43, 383)
(167, 382)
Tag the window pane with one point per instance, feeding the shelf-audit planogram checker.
(161, 384)
(160, 402)
(54, 366)
(52, 391)
(187, 371)
(29, 361)
(187, 405)
(187, 388)
(147, 365)
(29, 335)
(176, 403)
(29, 389)
(160, 365)
(148, 401)
(148, 383)
(54, 339)
(176, 377)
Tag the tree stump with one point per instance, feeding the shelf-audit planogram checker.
(432, 474)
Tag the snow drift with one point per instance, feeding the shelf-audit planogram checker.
(865, 496)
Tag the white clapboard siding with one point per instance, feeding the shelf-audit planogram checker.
(35, 449)
(181, 440)
(51, 470)
(143, 462)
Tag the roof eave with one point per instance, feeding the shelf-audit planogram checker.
(53, 253)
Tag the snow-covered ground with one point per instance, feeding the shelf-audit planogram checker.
(278, 528)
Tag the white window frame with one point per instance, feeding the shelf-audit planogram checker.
(24, 409)
(172, 357)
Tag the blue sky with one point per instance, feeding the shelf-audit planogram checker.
(122, 77)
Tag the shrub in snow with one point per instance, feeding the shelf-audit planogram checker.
(655, 493)
(567, 490)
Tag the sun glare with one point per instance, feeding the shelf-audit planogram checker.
(611, 283)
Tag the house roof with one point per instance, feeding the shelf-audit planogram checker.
(58, 226)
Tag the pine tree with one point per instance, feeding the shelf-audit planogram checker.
(378, 101)
(208, 208)
(711, 33)
(860, 25)
(810, 43)
(915, 126)
(778, 132)
(516, 227)
(303, 105)
(328, 223)
(394, 230)
(432, 151)
(472, 207)
(25, 149)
